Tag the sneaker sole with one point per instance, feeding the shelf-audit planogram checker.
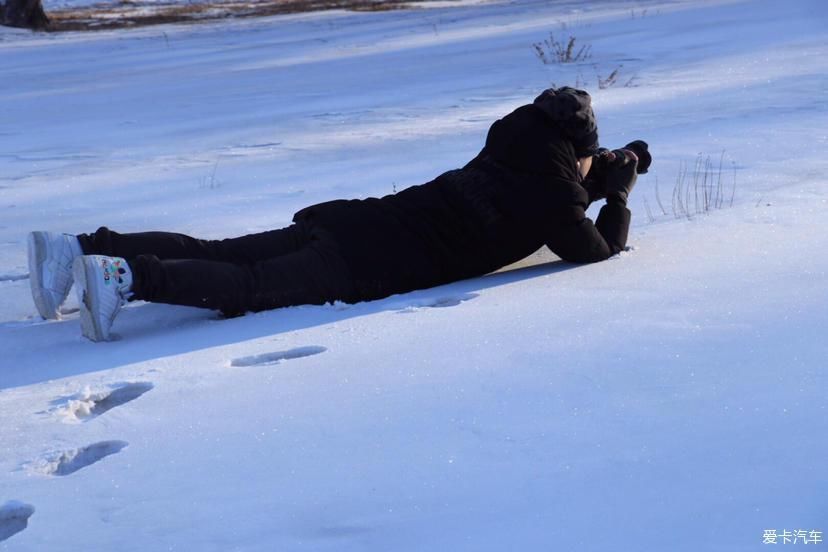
(89, 325)
(37, 252)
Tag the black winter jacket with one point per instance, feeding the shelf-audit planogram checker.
(519, 193)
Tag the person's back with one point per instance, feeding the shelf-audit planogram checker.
(520, 192)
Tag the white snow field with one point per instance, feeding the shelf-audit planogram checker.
(671, 398)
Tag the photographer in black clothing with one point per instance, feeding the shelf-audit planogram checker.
(530, 185)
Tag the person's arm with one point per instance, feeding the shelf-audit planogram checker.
(585, 242)
(581, 241)
(595, 189)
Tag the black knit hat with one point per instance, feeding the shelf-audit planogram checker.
(571, 110)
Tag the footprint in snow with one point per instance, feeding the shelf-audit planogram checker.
(342, 531)
(88, 405)
(13, 277)
(69, 461)
(437, 302)
(277, 356)
(14, 517)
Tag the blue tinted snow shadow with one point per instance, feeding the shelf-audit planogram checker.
(47, 351)
(14, 517)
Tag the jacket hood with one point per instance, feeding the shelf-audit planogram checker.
(528, 141)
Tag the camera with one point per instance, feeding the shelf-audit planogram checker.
(606, 158)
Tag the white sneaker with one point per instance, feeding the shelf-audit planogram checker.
(103, 286)
(50, 270)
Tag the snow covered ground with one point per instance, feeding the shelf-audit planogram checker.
(672, 398)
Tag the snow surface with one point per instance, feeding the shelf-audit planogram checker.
(673, 397)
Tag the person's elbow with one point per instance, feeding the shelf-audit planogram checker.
(592, 253)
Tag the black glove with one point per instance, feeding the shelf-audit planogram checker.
(621, 175)
(595, 182)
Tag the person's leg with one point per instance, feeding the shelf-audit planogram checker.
(315, 274)
(167, 245)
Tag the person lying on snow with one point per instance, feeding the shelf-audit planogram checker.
(530, 185)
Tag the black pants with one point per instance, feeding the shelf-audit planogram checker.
(291, 266)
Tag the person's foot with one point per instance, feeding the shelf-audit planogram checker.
(50, 270)
(103, 286)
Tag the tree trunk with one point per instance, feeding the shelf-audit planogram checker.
(28, 14)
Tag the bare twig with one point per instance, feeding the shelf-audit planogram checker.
(610, 80)
(704, 191)
(552, 50)
(650, 216)
(658, 198)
